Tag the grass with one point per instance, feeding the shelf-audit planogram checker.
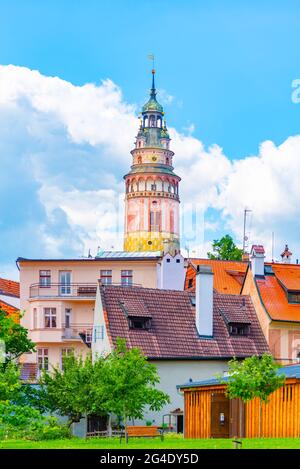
(170, 442)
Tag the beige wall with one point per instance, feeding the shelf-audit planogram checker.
(283, 337)
(85, 271)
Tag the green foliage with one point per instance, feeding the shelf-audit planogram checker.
(10, 386)
(225, 249)
(74, 391)
(15, 338)
(253, 377)
(128, 382)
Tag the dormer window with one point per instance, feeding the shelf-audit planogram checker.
(239, 329)
(140, 323)
(294, 297)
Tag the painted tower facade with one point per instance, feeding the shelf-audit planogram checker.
(152, 188)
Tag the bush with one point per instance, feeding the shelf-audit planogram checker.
(52, 430)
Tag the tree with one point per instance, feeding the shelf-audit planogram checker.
(129, 381)
(75, 391)
(15, 338)
(255, 377)
(225, 249)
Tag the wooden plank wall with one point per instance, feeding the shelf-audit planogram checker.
(279, 418)
(197, 412)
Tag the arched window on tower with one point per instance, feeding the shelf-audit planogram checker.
(152, 121)
(167, 160)
(159, 121)
(139, 145)
(139, 160)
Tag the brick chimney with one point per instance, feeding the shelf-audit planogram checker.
(204, 300)
(257, 258)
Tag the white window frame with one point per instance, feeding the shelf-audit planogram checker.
(65, 352)
(52, 315)
(106, 277)
(126, 277)
(45, 278)
(43, 359)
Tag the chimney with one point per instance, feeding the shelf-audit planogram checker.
(257, 256)
(204, 300)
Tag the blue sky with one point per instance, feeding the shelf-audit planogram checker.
(229, 64)
(224, 70)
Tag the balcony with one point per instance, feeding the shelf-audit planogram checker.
(75, 333)
(72, 291)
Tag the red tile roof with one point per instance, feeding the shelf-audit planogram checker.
(228, 275)
(273, 294)
(10, 310)
(173, 332)
(9, 287)
(258, 248)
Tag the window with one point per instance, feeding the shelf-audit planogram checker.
(65, 352)
(65, 282)
(155, 218)
(139, 323)
(106, 277)
(239, 329)
(294, 297)
(45, 278)
(190, 283)
(126, 277)
(153, 187)
(68, 314)
(50, 317)
(88, 336)
(35, 318)
(168, 260)
(177, 261)
(43, 359)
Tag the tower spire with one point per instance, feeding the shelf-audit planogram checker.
(153, 90)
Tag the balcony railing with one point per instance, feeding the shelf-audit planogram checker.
(63, 290)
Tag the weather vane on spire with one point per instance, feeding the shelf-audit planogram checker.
(151, 57)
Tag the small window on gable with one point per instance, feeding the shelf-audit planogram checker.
(239, 329)
(168, 260)
(139, 323)
(178, 261)
(190, 283)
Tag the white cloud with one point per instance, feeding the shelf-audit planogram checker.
(64, 150)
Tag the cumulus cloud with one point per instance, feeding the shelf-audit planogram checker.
(64, 150)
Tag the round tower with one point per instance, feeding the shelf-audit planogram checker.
(152, 195)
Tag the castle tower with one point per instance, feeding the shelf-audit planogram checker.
(152, 196)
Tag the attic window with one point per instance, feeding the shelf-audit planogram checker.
(168, 260)
(239, 329)
(268, 270)
(294, 297)
(178, 261)
(139, 323)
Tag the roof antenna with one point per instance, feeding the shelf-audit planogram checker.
(273, 242)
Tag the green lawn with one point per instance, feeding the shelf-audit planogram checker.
(170, 442)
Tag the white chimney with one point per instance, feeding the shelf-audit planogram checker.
(257, 257)
(204, 300)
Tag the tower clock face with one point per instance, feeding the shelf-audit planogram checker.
(154, 158)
